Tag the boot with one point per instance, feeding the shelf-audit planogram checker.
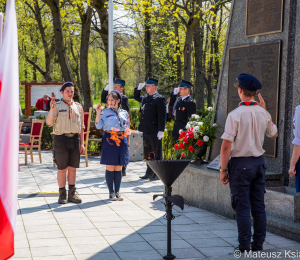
(72, 197)
(62, 197)
(124, 170)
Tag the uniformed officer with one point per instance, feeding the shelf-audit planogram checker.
(67, 119)
(183, 107)
(119, 85)
(152, 122)
(243, 140)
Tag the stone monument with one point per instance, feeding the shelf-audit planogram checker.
(263, 39)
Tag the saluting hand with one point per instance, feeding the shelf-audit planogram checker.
(262, 103)
(98, 109)
(52, 103)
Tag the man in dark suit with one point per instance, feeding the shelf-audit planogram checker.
(53, 95)
(183, 107)
(152, 122)
(119, 85)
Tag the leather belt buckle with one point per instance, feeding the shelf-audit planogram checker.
(69, 135)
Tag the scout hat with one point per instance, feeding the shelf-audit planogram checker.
(249, 82)
(120, 81)
(152, 81)
(185, 84)
(66, 84)
(118, 94)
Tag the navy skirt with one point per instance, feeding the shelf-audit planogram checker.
(297, 177)
(114, 152)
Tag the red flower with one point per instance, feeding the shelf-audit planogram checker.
(191, 135)
(183, 134)
(182, 146)
(186, 140)
(190, 129)
(183, 155)
(176, 146)
(199, 143)
(191, 148)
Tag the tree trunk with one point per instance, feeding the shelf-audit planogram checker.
(199, 80)
(103, 16)
(188, 52)
(60, 45)
(84, 55)
(178, 57)
(147, 27)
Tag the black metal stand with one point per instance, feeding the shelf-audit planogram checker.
(169, 216)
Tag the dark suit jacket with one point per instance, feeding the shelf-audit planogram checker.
(184, 109)
(48, 104)
(153, 109)
(124, 102)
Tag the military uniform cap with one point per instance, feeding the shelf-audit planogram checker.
(152, 81)
(66, 84)
(249, 82)
(119, 81)
(185, 84)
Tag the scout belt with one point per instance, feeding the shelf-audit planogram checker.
(70, 135)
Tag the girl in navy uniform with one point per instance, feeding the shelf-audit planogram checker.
(115, 153)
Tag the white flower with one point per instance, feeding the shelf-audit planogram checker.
(188, 126)
(201, 133)
(210, 109)
(193, 115)
(200, 123)
(197, 117)
(196, 128)
(205, 138)
(180, 131)
(214, 125)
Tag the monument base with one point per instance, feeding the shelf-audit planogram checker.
(202, 188)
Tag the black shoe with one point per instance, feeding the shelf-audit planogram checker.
(118, 196)
(112, 196)
(124, 171)
(154, 178)
(256, 247)
(146, 176)
(242, 250)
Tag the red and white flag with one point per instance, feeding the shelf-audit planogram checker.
(9, 131)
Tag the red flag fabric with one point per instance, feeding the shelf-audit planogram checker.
(9, 131)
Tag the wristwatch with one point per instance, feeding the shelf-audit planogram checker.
(221, 170)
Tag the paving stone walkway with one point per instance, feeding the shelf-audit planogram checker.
(133, 229)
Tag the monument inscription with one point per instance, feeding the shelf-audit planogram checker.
(264, 17)
(262, 61)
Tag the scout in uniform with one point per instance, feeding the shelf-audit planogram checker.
(152, 122)
(243, 140)
(115, 122)
(67, 119)
(183, 107)
(119, 85)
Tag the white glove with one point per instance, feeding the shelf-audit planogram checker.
(160, 135)
(141, 85)
(106, 88)
(176, 91)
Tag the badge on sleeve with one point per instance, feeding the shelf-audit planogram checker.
(183, 109)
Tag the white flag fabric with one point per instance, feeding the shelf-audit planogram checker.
(9, 131)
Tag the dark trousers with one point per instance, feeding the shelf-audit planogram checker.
(152, 149)
(247, 187)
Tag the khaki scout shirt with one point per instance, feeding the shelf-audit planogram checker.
(62, 124)
(246, 127)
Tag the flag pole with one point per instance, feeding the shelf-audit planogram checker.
(110, 45)
(1, 27)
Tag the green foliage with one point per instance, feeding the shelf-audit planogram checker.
(202, 112)
(135, 118)
(133, 103)
(94, 146)
(168, 142)
(47, 137)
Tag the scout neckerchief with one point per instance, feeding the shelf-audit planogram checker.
(69, 105)
(117, 116)
(248, 103)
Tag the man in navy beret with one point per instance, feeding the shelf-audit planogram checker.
(152, 122)
(243, 138)
(183, 107)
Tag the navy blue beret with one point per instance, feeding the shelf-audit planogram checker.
(152, 81)
(185, 84)
(120, 81)
(249, 82)
(66, 84)
(118, 94)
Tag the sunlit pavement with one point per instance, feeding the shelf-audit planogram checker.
(129, 230)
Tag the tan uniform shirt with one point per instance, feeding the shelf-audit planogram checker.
(62, 124)
(246, 127)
